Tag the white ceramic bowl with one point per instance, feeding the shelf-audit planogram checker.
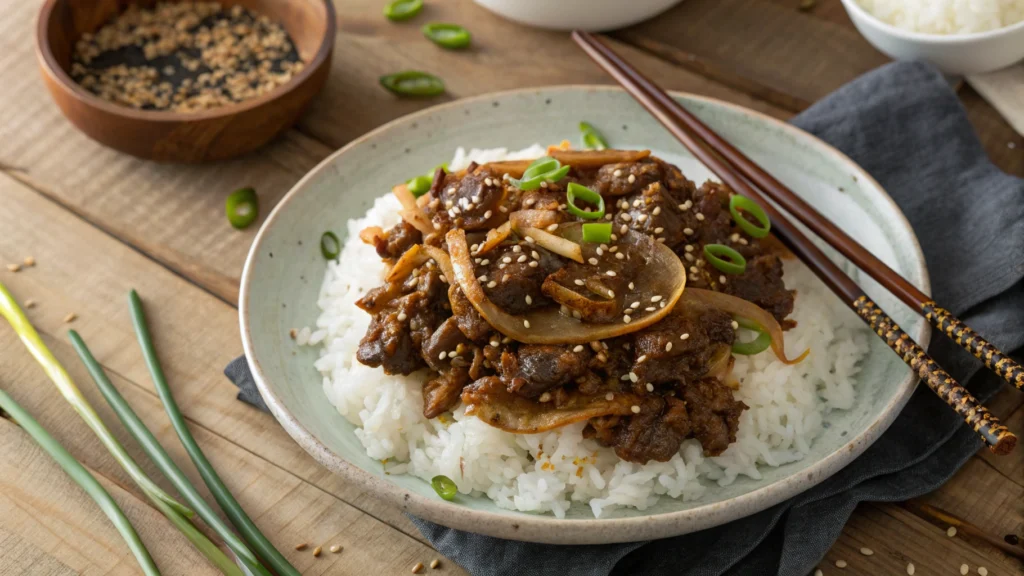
(591, 15)
(956, 54)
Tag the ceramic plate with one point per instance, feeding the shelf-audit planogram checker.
(284, 270)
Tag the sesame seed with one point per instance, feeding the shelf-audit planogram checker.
(625, 217)
(681, 206)
(688, 248)
(535, 255)
(503, 209)
(488, 214)
(951, 531)
(660, 240)
(593, 261)
(545, 397)
(442, 355)
(526, 323)
(689, 204)
(840, 563)
(552, 228)
(494, 343)
(14, 267)
(529, 202)
(70, 318)
(634, 305)
(317, 551)
(910, 568)
(402, 316)
(614, 237)
(624, 377)
(688, 256)
(735, 237)
(641, 358)
(626, 319)
(335, 549)
(544, 184)
(641, 218)
(578, 348)
(656, 211)
(600, 251)
(455, 210)
(533, 264)
(635, 409)
(530, 239)
(721, 279)
(964, 569)
(617, 173)
(867, 551)
(522, 258)
(650, 387)
(29, 261)
(982, 571)
(668, 347)
(655, 298)
(630, 285)
(611, 293)
(437, 226)
(485, 261)
(612, 249)
(620, 256)
(688, 231)
(610, 273)
(416, 569)
(659, 230)
(684, 336)
(735, 325)
(482, 278)
(301, 547)
(818, 572)
(700, 217)
(649, 309)
(608, 216)
(488, 182)
(529, 299)
(507, 260)
(631, 179)
(505, 176)
(578, 282)
(452, 190)
(744, 241)
(609, 396)
(624, 229)
(492, 284)
(435, 563)
(694, 269)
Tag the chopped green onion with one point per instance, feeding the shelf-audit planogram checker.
(541, 166)
(83, 478)
(598, 233)
(252, 535)
(592, 137)
(447, 35)
(413, 83)
(330, 246)
(580, 191)
(444, 487)
(151, 446)
(737, 203)
(403, 9)
(419, 185)
(541, 170)
(242, 207)
(755, 346)
(716, 254)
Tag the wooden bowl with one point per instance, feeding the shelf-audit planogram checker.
(166, 136)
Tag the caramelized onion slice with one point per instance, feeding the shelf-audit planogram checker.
(408, 262)
(744, 309)
(721, 363)
(534, 218)
(667, 278)
(580, 159)
(411, 212)
(556, 244)
(370, 234)
(495, 236)
(489, 400)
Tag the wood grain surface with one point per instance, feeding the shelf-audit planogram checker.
(99, 222)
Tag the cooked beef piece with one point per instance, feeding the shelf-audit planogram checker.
(714, 414)
(508, 278)
(397, 240)
(471, 202)
(470, 322)
(388, 343)
(614, 179)
(549, 198)
(762, 284)
(603, 295)
(537, 368)
(441, 394)
(655, 211)
(655, 433)
(447, 339)
(687, 359)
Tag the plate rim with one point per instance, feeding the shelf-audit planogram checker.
(545, 528)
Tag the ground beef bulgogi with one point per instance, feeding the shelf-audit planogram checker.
(641, 393)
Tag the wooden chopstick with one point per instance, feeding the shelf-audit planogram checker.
(993, 358)
(999, 439)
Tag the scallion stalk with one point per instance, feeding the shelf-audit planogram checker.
(159, 456)
(84, 479)
(221, 494)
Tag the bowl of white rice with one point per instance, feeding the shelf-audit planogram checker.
(959, 36)
(300, 330)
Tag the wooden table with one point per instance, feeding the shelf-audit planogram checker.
(99, 222)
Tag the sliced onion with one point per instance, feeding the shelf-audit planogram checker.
(744, 309)
(547, 325)
(489, 400)
(556, 244)
(412, 212)
(423, 200)
(405, 197)
(370, 234)
(581, 159)
(408, 262)
(534, 218)
(576, 301)
(721, 363)
(495, 236)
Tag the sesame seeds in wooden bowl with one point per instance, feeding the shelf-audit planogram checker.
(185, 81)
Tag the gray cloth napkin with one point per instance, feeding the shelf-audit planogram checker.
(905, 126)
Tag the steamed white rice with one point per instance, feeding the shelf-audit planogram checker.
(550, 471)
(947, 16)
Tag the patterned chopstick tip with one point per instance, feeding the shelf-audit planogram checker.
(968, 339)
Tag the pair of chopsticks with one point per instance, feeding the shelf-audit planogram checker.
(746, 178)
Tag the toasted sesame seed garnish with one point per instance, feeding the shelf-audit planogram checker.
(735, 325)
(637, 203)
(617, 173)
(416, 569)
(442, 355)
(435, 563)
(488, 214)
(688, 256)
(641, 218)
(503, 209)
(694, 269)
(624, 377)
(318, 551)
(529, 202)
(14, 267)
(626, 318)
(507, 259)
(620, 256)
(492, 284)
(635, 409)
(688, 231)
(867, 551)
(578, 348)
(335, 549)
(488, 182)
(649, 309)
(609, 396)
(840, 563)
(593, 261)
(682, 206)
(505, 176)
(600, 251)
(442, 278)
(982, 571)
(951, 531)
(631, 179)
(552, 227)
(526, 323)
(964, 569)
(533, 264)
(700, 217)
(688, 248)
(910, 568)
(530, 239)
(301, 547)
(656, 211)
(578, 282)
(641, 358)
(70, 318)
(818, 572)
(402, 316)
(29, 261)
(545, 397)
(624, 229)
(455, 210)
(659, 230)
(485, 262)
(684, 336)
(655, 298)
(610, 273)
(482, 278)
(544, 184)
(631, 286)
(625, 217)
(529, 299)
(721, 279)
(576, 314)
(614, 237)
(634, 305)
(735, 237)
(611, 293)
(522, 258)
(437, 226)
(608, 216)
(668, 347)
(650, 387)
(744, 241)
(494, 343)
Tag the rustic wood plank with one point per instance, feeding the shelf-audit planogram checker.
(828, 10)
(1012, 465)
(1004, 89)
(19, 557)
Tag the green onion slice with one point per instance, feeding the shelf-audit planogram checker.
(597, 232)
(330, 246)
(413, 83)
(419, 185)
(541, 166)
(587, 195)
(444, 487)
(402, 9)
(592, 137)
(725, 258)
(242, 207)
(755, 346)
(545, 169)
(737, 203)
(447, 35)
